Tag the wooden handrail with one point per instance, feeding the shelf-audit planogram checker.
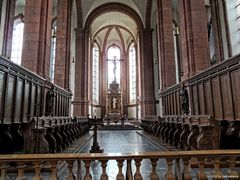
(99, 156)
(214, 158)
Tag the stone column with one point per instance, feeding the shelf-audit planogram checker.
(81, 101)
(62, 62)
(194, 37)
(147, 99)
(167, 69)
(36, 38)
(8, 29)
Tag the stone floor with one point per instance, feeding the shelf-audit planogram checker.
(115, 141)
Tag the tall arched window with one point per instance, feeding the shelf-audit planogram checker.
(233, 14)
(53, 51)
(132, 73)
(95, 73)
(176, 52)
(17, 41)
(113, 66)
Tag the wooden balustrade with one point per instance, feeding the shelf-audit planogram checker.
(185, 132)
(181, 165)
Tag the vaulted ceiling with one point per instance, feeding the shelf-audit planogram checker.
(114, 27)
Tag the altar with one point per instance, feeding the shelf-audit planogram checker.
(114, 109)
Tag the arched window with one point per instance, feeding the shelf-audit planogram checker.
(233, 14)
(176, 52)
(132, 73)
(113, 66)
(53, 51)
(95, 73)
(17, 41)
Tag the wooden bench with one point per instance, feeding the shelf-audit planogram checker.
(184, 132)
(53, 134)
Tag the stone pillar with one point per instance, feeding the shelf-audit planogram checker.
(36, 37)
(81, 101)
(147, 99)
(62, 62)
(8, 29)
(194, 37)
(167, 69)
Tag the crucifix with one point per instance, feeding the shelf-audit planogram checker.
(114, 60)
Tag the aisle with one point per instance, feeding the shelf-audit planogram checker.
(124, 141)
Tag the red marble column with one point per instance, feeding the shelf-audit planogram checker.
(36, 38)
(194, 40)
(8, 29)
(62, 62)
(81, 96)
(147, 99)
(167, 68)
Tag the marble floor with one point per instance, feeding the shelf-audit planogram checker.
(124, 141)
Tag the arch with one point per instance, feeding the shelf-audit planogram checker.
(148, 13)
(109, 7)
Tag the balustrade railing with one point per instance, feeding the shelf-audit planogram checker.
(181, 165)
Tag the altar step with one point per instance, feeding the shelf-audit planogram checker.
(118, 126)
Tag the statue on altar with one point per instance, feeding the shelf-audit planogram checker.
(114, 102)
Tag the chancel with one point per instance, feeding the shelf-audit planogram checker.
(162, 76)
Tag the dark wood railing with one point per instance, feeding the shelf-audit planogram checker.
(181, 165)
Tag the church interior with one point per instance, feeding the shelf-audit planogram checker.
(130, 89)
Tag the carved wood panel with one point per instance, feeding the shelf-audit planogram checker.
(235, 81)
(8, 105)
(201, 99)
(18, 101)
(26, 113)
(208, 96)
(217, 102)
(226, 97)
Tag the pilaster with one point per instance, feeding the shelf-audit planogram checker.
(194, 37)
(36, 37)
(167, 69)
(81, 101)
(146, 68)
(62, 62)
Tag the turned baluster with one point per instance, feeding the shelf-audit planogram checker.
(37, 167)
(104, 175)
(87, 167)
(54, 170)
(232, 173)
(70, 167)
(137, 175)
(20, 168)
(153, 175)
(3, 174)
(120, 175)
(129, 170)
(217, 174)
(169, 175)
(186, 172)
(201, 172)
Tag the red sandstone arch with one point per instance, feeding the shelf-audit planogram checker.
(117, 7)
